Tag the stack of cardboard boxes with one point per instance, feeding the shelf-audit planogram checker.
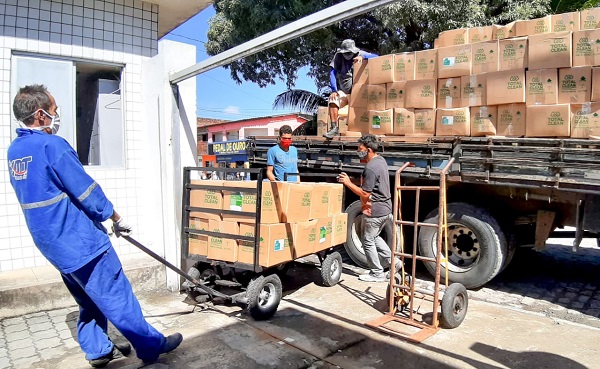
(528, 78)
(297, 219)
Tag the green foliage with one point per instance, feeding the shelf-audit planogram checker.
(405, 26)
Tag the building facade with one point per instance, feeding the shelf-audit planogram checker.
(105, 64)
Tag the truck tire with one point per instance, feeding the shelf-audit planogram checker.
(477, 247)
(353, 244)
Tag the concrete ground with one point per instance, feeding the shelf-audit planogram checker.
(316, 327)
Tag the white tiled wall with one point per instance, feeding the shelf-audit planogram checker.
(115, 31)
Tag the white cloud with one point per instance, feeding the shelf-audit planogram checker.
(231, 110)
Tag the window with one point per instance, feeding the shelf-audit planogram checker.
(89, 97)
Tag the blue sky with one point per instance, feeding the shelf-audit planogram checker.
(218, 96)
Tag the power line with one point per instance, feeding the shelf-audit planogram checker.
(189, 38)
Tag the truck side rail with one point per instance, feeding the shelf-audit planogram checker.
(554, 163)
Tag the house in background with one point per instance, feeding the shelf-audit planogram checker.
(216, 134)
(105, 64)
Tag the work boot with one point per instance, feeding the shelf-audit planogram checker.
(371, 277)
(119, 350)
(171, 343)
(397, 269)
(334, 131)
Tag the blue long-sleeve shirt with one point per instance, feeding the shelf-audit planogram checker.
(62, 204)
(343, 68)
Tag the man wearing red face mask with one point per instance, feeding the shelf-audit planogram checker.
(283, 157)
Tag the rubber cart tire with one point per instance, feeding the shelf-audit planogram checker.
(331, 269)
(477, 247)
(454, 306)
(353, 245)
(264, 295)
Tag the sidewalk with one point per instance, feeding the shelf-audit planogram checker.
(314, 327)
(32, 290)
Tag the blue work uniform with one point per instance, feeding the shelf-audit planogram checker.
(283, 162)
(64, 208)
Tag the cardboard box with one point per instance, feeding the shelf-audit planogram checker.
(448, 93)
(512, 53)
(453, 122)
(595, 86)
(505, 87)
(485, 57)
(404, 121)
(550, 50)
(436, 43)
(219, 248)
(339, 229)
(396, 94)
(542, 86)
(574, 85)
(324, 229)
(589, 19)
(426, 64)
(484, 120)
(421, 94)
(564, 22)
(336, 198)
(511, 120)
(304, 238)
(548, 121)
(586, 48)
(480, 34)
(360, 72)
(381, 121)
(198, 244)
(377, 97)
(585, 120)
(271, 199)
(319, 207)
(358, 120)
(209, 199)
(381, 69)
(454, 61)
(453, 37)
(500, 32)
(404, 67)
(424, 122)
(322, 128)
(297, 203)
(359, 97)
(275, 245)
(533, 27)
(323, 114)
(473, 90)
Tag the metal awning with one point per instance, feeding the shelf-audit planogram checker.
(326, 17)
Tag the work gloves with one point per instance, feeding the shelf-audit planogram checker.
(120, 228)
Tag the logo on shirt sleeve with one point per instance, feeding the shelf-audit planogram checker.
(19, 167)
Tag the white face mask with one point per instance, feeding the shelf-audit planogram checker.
(54, 122)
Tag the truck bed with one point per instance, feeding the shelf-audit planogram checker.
(563, 164)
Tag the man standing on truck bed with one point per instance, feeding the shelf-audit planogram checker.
(64, 208)
(340, 74)
(376, 200)
(283, 157)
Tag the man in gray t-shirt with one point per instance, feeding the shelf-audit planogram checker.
(340, 79)
(376, 200)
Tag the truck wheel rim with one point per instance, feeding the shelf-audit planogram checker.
(463, 246)
(266, 297)
(356, 239)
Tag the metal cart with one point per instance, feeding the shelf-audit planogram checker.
(257, 288)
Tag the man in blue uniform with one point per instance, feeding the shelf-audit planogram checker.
(340, 80)
(283, 157)
(64, 208)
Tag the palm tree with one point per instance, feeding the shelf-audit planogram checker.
(305, 102)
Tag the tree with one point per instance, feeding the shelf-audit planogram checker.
(306, 102)
(404, 26)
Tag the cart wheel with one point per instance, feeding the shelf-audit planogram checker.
(401, 297)
(454, 305)
(264, 294)
(331, 269)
